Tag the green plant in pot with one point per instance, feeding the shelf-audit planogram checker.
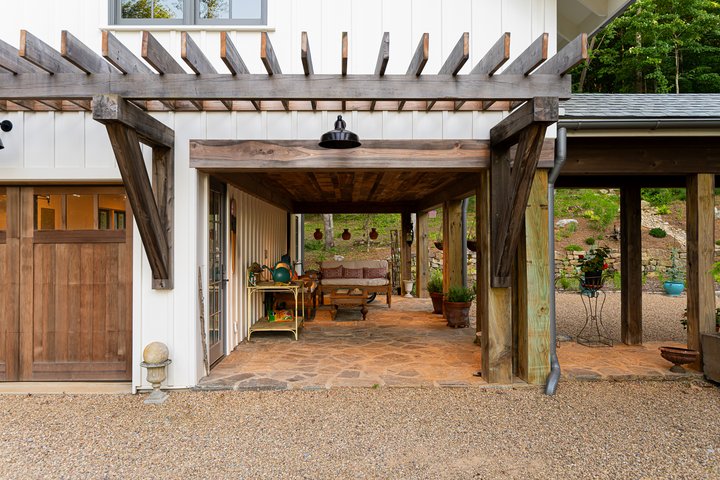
(435, 287)
(684, 322)
(457, 306)
(675, 274)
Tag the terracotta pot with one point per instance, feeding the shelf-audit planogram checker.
(439, 245)
(457, 314)
(346, 234)
(437, 302)
(318, 234)
(679, 356)
(373, 234)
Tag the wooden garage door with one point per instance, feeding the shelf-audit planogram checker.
(72, 260)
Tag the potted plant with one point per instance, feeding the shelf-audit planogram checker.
(592, 268)
(435, 287)
(675, 283)
(683, 320)
(457, 306)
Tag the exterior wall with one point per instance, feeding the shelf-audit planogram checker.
(65, 147)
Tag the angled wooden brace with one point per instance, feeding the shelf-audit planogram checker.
(510, 187)
(152, 204)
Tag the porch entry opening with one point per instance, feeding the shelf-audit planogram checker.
(217, 275)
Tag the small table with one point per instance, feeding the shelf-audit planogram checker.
(344, 296)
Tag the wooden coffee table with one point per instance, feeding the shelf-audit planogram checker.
(345, 297)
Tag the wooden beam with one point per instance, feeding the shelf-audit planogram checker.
(255, 186)
(344, 53)
(630, 266)
(455, 61)
(163, 184)
(538, 111)
(269, 59)
(566, 59)
(234, 62)
(507, 235)
(10, 60)
(77, 53)
(306, 59)
(457, 191)
(115, 52)
(405, 251)
(495, 58)
(299, 155)
(534, 328)
(418, 61)
(700, 250)
(284, 87)
(353, 207)
(618, 181)
(140, 194)
(113, 109)
(155, 54)
(528, 61)
(452, 245)
(422, 254)
(197, 61)
(382, 60)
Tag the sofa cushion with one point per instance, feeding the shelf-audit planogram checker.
(354, 263)
(352, 272)
(374, 272)
(355, 282)
(336, 272)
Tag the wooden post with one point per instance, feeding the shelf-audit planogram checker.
(405, 251)
(422, 255)
(533, 284)
(493, 304)
(631, 266)
(700, 249)
(452, 244)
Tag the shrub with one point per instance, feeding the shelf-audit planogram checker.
(460, 294)
(658, 233)
(663, 210)
(590, 241)
(435, 284)
(662, 196)
(676, 273)
(574, 248)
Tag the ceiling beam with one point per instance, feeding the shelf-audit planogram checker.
(77, 53)
(115, 52)
(306, 59)
(256, 186)
(354, 207)
(269, 59)
(455, 61)
(493, 59)
(419, 60)
(197, 61)
(10, 60)
(566, 59)
(541, 110)
(113, 109)
(457, 191)
(233, 61)
(382, 60)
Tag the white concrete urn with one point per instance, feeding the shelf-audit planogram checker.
(408, 288)
(155, 359)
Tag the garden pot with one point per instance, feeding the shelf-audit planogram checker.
(457, 314)
(592, 280)
(437, 301)
(674, 289)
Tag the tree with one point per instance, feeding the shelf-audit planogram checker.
(150, 8)
(657, 46)
(328, 224)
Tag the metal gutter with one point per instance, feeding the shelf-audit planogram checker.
(560, 157)
(639, 123)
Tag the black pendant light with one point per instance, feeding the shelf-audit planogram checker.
(5, 126)
(339, 137)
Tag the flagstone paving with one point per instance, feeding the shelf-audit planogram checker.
(405, 346)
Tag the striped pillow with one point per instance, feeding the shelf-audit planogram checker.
(380, 272)
(352, 272)
(336, 272)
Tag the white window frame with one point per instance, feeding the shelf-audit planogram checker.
(191, 16)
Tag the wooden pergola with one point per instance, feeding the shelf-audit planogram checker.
(381, 176)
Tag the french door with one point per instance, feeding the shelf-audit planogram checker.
(216, 271)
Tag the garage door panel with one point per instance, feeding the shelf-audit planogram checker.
(9, 281)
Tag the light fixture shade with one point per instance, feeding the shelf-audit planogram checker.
(1, 144)
(339, 137)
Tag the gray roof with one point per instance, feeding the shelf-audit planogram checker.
(608, 106)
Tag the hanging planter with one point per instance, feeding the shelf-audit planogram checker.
(346, 234)
(318, 235)
(373, 234)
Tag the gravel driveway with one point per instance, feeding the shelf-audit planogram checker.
(588, 430)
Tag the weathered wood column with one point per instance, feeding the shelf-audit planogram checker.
(631, 266)
(452, 244)
(405, 251)
(422, 255)
(533, 279)
(494, 305)
(700, 249)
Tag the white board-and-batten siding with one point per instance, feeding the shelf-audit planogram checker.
(70, 147)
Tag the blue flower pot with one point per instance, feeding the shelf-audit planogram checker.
(674, 289)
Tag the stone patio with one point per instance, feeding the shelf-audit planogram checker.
(406, 346)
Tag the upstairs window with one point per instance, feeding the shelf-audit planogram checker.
(188, 12)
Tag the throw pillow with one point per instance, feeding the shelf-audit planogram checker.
(332, 272)
(380, 272)
(352, 272)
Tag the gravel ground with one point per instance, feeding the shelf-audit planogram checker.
(661, 316)
(587, 430)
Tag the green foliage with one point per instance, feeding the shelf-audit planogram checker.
(435, 283)
(574, 248)
(657, 232)
(662, 197)
(313, 245)
(657, 46)
(567, 230)
(662, 210)
(616, 280)
(151, 9)
(683, 320)
(595, 261)
(675, 273)
(601, 209)
(590, 241)
(460, 294)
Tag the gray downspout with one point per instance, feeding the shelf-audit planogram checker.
(560, 157)
(463, 248)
